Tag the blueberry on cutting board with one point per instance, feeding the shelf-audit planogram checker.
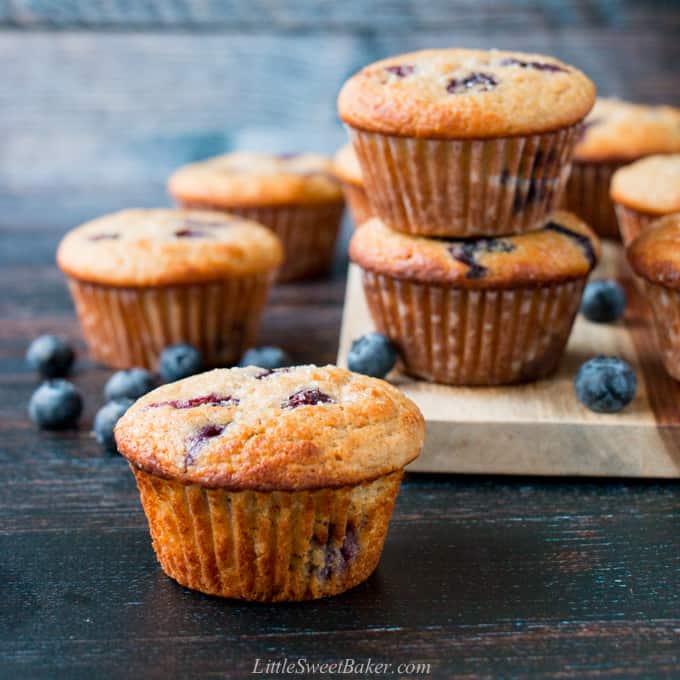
(372, 354)
(604, 301)
(605, 384)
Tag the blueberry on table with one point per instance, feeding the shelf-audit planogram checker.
(106, 419)
(179, 361)
(605, 384)
(129, 384)
(603, 301)
(372, 354)
(50, 356)
(266, 357)
(55, 405)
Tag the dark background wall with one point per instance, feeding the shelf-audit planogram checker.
(99, 101)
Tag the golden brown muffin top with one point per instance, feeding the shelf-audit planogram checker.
(250, 179)
(655, 253)
(462, 93)
(616, 130)
(346, 165)
(305, 427)
(155, 247)
(650, 185)
(563, 249)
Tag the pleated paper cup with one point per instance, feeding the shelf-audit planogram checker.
(632, 222)
(357, 202)
(268, 546)
(665, 304)
(587, 195)
(461, 336)
(308, 233)
(464, 188)
(125, 327)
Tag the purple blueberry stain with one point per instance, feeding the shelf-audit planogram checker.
(467, 252)
(195, 443)
(337, 558)
(477, 82)
(308, 396)
(204, 400)
(536, 65)
(190, 233)
(265, 373)
(538, 190)
(581, 239)
(104, 237)
(401, 70)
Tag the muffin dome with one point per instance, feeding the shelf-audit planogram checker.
(621, 131)
(650, 185)
(563, 249)
(291, 429)
(243, 179)
(464, 93)
(142, 247)
(346, 165)
(655, 254)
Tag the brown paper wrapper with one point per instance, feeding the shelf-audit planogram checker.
(464, 188)
(665, 304)
(632, 222)
(308, 233)
(460, 336)
(268, 546)
(357, 201)
(125, 327)
(587, 195)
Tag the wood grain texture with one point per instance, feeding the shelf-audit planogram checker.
(481, 577)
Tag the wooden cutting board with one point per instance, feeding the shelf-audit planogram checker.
(541, 428)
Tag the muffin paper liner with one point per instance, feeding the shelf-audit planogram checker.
(632, 222)
(460, 336)
(268, 546)
(665, 304)
(464, 188)
(308, 233)
(358, 204)
(125, 327)
(587, 195)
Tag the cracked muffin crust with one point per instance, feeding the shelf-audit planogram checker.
(465, 143)
(297, 196)
(270, 485)
(563, 249)
(248, 178)
(288, 429)
(466, 93)
(142, 280)
(484, 311)
(155, 247)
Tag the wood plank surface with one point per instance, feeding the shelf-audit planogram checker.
(481, 577)
(540, 428)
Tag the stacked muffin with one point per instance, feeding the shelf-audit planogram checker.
(615, 133)
(464, 154)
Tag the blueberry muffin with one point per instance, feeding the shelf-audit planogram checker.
(145, 279)
(615, 134)
(347, 170)
(296, 195)
(270, 485)
(460, 142)
(644, 191)
(488, 311)
(655, 257)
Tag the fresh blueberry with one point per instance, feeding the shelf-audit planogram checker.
(179, 361)
(106, 419)
(50, 356)
(605, 384)
(266, 357)
(603, 301)
(55, 405)
(129, 384)
(372, 354)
